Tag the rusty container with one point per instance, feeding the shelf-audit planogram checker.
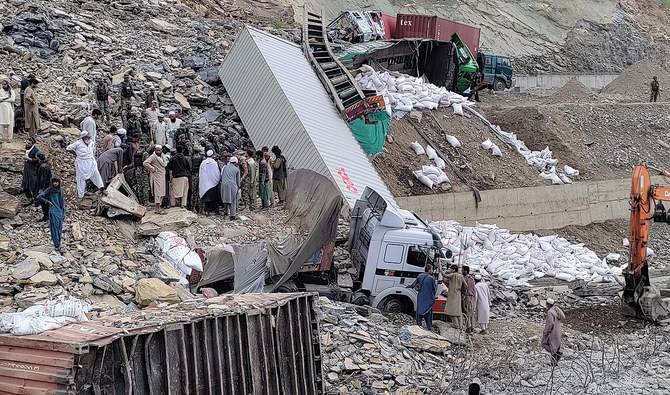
(231, 344)
(440, 29)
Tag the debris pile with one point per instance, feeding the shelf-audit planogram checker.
(519, 258)
(365, 352)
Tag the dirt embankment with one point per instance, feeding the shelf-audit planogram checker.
(601, 140)
(398, 161)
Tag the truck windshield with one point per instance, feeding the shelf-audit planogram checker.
(504, 62)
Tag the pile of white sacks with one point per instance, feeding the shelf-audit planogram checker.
(519, 258)
(403, 93)
(431, 176)
(542, 161)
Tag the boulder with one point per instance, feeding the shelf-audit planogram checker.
(44, 278)
(26, 269)
(9, 205)
(182, 100)
(107, 284)
(42, 258)
(149, 290)
(173, 219)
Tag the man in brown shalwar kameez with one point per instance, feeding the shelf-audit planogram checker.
(31, 109)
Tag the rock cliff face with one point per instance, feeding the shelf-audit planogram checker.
(545, 35)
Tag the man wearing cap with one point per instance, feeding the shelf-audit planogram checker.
(171, 125)
(86, 168)
(31, 108)
(551, 336)
(152, 114)
(156, 164)
(483, 303)
(230, 185)
(209, 177)
(196, 159)
(180, 169)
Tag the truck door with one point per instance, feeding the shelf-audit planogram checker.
(389, 267)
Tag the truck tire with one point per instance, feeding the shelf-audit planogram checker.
(499, 84)
(392, 304)
(360, 299)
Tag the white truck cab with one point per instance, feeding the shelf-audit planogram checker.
(389, 247)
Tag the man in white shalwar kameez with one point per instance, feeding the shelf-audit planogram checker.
(483, 302)
(7, 99)
(89, 125)
(86, 168)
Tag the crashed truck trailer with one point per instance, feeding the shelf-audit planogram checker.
(263, 344)
(282, 102)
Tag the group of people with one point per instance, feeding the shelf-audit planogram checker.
(468, 300)
(28, 106)
(158, 158)
(242, 178)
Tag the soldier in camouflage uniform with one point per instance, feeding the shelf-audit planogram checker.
(138, 177)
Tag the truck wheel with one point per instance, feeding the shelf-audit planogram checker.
(392, 305)
(499, 84)
(360, 299)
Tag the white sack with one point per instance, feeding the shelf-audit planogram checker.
(453, 141)
(430, 152)
(418, 149)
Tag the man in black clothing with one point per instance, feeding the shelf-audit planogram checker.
(180, 169)
(43, 182)
(655, 88)
(194, 196)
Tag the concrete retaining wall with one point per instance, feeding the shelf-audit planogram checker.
(528, 209)
(555, 81)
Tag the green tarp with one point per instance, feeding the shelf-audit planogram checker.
(370, 131)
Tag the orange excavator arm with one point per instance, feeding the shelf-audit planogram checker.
(642, 212)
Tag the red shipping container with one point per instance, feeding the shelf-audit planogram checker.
(430, 26)
(389, 26)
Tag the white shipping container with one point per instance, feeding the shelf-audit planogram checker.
(282, 102)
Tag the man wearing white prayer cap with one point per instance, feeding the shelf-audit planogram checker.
(172, 124)
(482, 303)
(551, 336)
(209, 177)
(86, 167)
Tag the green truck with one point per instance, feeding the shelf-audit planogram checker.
(497, 70)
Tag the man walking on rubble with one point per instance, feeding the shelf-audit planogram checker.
(53, 198)
(483, 303)
(655, 88)
(31, 109)
(551, 336)
(425, 287)
(468, 300)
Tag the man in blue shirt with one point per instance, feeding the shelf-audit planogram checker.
(425, 286)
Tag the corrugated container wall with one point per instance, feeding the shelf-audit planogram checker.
(282, 102)
(429, 26)
(270, 347)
